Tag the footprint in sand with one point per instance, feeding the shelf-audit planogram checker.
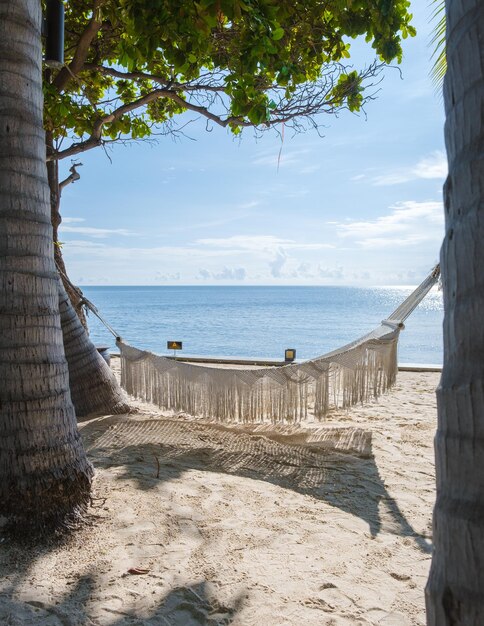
(330, 599)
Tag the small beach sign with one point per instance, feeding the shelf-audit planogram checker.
(174, 345)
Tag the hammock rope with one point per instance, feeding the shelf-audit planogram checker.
(88, 304)
(353, 374)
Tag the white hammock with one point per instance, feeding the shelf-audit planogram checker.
(353, 374)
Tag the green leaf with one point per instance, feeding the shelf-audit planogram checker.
(277, 34)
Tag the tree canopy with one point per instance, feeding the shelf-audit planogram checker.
(133, 65)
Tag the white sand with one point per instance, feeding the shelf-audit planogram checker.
(239, 529)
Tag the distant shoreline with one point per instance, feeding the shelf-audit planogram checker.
(250, 286)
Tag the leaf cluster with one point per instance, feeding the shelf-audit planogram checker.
(133, 65)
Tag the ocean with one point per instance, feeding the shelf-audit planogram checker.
(262, 321)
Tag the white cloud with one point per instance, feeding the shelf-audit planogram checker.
(249, 205)
(397, 242)
(263, 259)
(100, 233)
(363, 276)
(258, 243)
(280, 159)
(81, 244)
(432, 166)
(335, 273)
(242, 242)
(408, 224)
(95, 279)
(278, 263)
(303, 270)
(231, 273)
(145, 255)
(167, 277)
(227, 273)
(230, 259)
(204, 274)
(393, 178)
(71, 220)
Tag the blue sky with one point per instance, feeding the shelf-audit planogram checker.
(360, 206)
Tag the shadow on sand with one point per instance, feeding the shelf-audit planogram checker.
(191, 605)
(155, 450)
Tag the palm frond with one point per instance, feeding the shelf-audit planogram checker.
(437, 41)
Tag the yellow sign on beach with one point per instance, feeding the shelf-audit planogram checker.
(174, 345)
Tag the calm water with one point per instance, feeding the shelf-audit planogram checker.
(262, 321)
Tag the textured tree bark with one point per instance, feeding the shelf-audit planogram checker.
(94, 388)
(55, 197)
(45, 477)
(455, 590)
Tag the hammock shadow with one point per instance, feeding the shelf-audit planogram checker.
(151, 451)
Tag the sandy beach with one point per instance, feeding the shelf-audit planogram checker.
(192, 524)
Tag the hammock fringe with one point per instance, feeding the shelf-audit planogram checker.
(354, 374)
(272, 396)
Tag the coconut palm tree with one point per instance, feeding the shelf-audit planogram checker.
(455, 590)
(44, 474)
(94, 388)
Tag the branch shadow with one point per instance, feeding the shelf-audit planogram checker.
(155, 450)
(189, 605)
(30, 599)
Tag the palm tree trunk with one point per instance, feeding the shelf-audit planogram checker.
(94, 388)
(455, 590)
(55, 198)
(45, 477)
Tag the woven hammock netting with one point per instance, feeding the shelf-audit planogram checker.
(288, 394)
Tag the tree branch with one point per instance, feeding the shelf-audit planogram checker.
(109, 71)
(72, 177)
(162, 80)
(95, 139)
(307, 101)
(82, 49)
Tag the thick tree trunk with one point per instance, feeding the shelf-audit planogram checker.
(94, 388)
(455, 590)
(45, 477)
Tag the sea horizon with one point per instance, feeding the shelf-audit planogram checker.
(261, 321)
(218, 285)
